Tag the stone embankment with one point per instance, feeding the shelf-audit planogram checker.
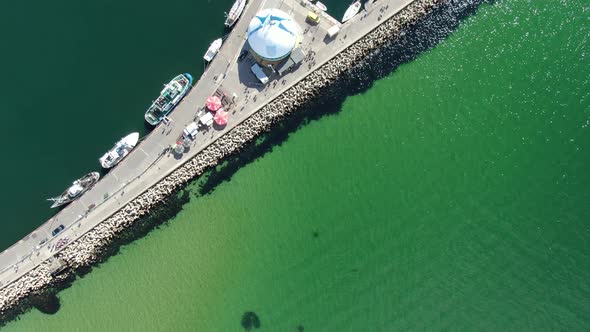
(87, 249)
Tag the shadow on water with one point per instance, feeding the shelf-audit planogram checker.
(250, 321)
(413, 41)
(46, 303)
(47, 300)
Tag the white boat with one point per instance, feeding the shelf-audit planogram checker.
(76, 190)
(213, 49)
(234, 13)
(119, 151)
(321, 6)
(351, 11)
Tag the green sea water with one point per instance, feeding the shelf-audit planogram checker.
(450, 195)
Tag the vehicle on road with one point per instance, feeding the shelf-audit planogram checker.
(57, 230)
(260, 75)
(333, 31)
(190, 131)
(312, 17)
(243, 54)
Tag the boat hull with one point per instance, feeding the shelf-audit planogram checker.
(235, 13)
(213, 49)
(121, 149)
(352, 11)
(154, 115)
(321, 6)
(86, 182)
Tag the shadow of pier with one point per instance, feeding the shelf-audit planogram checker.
(413, 41)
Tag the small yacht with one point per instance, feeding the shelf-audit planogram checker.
(213, 49)
(352, 10)
(234, 13)
(119, 151)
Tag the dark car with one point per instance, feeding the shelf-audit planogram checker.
(57, 230)
(242, 55)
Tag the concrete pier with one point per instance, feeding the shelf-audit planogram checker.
(151, 172)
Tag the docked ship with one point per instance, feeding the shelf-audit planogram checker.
(76, 190)
(169, 97)
(119, 151)
(213, 49)
(234, 13)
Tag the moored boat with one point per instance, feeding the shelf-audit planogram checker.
(234, 13)
(76, 190)
(352, 10)
(169, 97)
(321, 6)
(213, 49)
(119, 151)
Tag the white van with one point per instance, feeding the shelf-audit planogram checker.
(260, 75)
(333, 31)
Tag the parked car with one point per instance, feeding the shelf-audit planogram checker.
(312, 18)
(190, 131)
(57, 230)
(243, 54)
(260, 75)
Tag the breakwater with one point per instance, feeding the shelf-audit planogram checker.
(86, 249)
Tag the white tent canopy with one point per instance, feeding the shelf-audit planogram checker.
(272, 34)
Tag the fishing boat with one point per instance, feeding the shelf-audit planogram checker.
(234, 13)
(321, 6)
(169, 97)
(76, 190)
(352, 10)
(119, 151)
(213, 49)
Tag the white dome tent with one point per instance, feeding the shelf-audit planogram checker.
(272, 35)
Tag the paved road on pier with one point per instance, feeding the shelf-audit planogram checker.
(149, 162)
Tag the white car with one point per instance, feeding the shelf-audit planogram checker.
(190, 132)
(260, 75)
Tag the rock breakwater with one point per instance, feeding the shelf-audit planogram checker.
(86, 250)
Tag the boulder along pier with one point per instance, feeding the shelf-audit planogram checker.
(149, 175)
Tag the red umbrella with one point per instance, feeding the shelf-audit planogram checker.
(221, 117)
(213, 103)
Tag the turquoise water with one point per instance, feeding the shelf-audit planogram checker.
(450, 195)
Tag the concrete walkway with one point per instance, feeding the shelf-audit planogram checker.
(150, 162)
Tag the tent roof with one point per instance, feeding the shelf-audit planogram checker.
(272, 34)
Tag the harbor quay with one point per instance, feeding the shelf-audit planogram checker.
(153, 170)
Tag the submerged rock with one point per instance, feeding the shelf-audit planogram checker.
(250, 320)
